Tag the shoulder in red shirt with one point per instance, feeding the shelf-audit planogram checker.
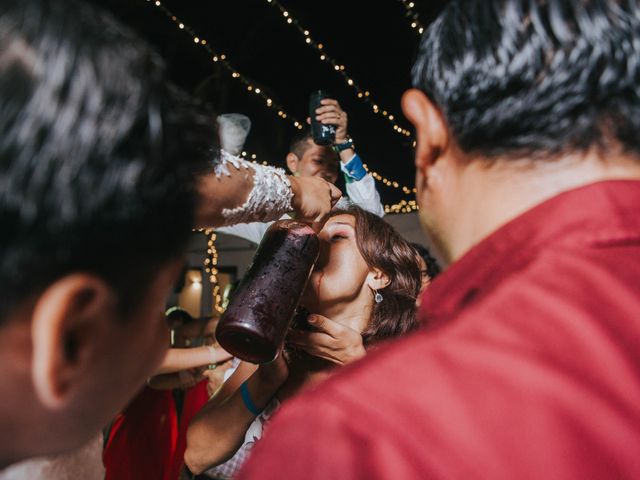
(529, 366)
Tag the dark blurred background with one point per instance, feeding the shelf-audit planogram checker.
(373, 40)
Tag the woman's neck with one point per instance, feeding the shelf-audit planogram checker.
(355, 313)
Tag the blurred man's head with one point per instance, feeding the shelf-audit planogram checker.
(429, 268)
(307, 159)
(97, 162)
(545, 91)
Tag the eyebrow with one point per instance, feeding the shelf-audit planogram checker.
(342, 223)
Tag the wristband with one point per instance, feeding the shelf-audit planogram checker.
(213, 356)
(354, 169)
(248, 402)
(339, 147)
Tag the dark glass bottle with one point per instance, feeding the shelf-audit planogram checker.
(255, 323)
(322, 134)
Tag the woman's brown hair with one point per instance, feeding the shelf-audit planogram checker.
(383, 248)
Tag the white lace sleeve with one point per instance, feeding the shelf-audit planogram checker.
(270, 197)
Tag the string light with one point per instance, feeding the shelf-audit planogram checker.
(402, 207)
(222, 60)
(210, 267)
(364, 95)
(412, 16)
(389, 183)
(281, 112)
(212, 259)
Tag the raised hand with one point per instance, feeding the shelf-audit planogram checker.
(330, 113)
(313, 199)
(329, 340)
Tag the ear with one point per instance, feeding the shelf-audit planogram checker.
(292, 162)
(431, 128)
(68, 332)
(377, 279)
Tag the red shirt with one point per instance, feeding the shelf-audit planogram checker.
(142, 439)
(530, 366)
(194, 399)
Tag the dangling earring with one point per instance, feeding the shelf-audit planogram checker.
(377, 297)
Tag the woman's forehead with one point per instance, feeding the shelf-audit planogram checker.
(342, 218)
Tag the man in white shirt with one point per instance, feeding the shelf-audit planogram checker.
(306, 159)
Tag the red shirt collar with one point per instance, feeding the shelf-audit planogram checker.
(602, 212)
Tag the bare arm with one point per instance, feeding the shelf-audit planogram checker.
(170, 381)
(178, 359)
(217, 431)
(228, 388)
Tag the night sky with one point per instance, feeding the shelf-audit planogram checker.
(373, 40)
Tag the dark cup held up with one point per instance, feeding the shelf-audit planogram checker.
(322, 134)
(260, 313)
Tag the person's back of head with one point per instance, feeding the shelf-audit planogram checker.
(547, 89)
(520, 78)
(97, 161)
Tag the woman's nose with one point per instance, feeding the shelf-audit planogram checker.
(323, 255)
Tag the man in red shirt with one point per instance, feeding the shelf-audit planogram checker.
(528, 176)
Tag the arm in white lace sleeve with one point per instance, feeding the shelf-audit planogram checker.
(238, 191)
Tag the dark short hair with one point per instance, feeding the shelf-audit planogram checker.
(382, 247)
(300, 142)
(535, 77)
(433, 269)
(98, 153)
